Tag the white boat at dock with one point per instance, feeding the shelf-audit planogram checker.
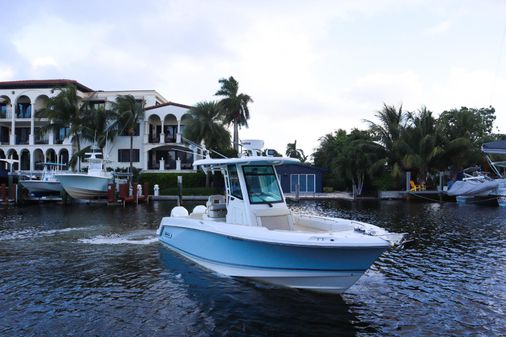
(90, 185)
(47, 183)
(480, 184)
(250, 232)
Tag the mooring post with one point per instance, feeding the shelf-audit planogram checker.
(179, 190)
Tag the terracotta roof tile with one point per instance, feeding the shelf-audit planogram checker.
(43, 84)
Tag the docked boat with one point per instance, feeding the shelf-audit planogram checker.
(47, 183)
(250, 232)
(90, 185)
(479, 184)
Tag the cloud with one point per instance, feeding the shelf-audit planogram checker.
(441, 27)
(6, 73)
(390, 88)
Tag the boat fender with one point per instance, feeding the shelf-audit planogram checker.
(178, 212)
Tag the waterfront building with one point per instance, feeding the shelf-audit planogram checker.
(158, 144)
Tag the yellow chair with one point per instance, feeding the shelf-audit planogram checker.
(415, 187)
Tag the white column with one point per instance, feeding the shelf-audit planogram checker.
(145, 160)
(146, 132)
(13, 125)
(162, 133)
(32, 160)
(31, 138)
(51, 137)
(178, 136)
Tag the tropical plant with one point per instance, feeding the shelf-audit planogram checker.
(206, 125)
(128, 112)
(234, 106)
(387, 132)
(98, 125)
(425, 146)
(293, 152)
(65, 110)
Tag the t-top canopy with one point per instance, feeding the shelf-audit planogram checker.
(498, 147)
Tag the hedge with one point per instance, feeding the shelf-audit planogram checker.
(193, 183)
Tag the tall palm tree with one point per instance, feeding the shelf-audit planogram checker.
(388, 132)
(205, 124)
(128, 112)
(65, 110)
(293, 152)
(424, 142)
(234, 106)
(97, 126)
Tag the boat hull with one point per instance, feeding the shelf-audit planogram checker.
(80, 186)
(323, 268)
(38, 186)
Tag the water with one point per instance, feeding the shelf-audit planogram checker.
(99, 271)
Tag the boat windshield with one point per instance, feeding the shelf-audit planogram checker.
(262, 184)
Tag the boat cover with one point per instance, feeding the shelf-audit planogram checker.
(498, 147)
(473, 187)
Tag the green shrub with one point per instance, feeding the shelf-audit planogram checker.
(327, 189)
(169, 180)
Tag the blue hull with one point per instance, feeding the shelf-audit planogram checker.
(245, 254)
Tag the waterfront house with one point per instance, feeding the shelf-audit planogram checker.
(307, 177)
(158, 144)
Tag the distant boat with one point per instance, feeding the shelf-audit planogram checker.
(47, 183)
(250, 232)
(90, 185)
(480, 184)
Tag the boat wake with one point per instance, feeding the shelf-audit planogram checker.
(134, 238)
(34, 233)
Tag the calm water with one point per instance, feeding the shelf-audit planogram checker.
(99, 271)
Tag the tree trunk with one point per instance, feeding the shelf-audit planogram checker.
(78, 143)
(131, 162)
(236, 137)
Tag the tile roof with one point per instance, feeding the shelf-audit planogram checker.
(27, 84)
(167, 104)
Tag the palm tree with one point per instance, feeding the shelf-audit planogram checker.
(234, 106)
(424, 142)
(388, 132)
(205, 125)
(128, 111)
(65, 110)
(97, 126)
(293, 152)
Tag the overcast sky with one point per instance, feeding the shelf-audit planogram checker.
(311, 67)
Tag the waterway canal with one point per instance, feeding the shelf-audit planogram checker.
(89, 270)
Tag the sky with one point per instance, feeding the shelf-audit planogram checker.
(311, 67)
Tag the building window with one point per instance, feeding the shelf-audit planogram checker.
(22, 135)
(4, 135)
(3, 110)
(136, 131)
(306, 182)
(61, 135)
(124, 155)
(24, 110)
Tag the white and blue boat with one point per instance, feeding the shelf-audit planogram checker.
(47, 182)
(90, 185)
(250, 232)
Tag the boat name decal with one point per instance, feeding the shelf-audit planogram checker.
(168, 234)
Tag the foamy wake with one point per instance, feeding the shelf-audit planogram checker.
(34, 233)
(116, 239)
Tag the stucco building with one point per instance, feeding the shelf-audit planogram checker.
(158, 144)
